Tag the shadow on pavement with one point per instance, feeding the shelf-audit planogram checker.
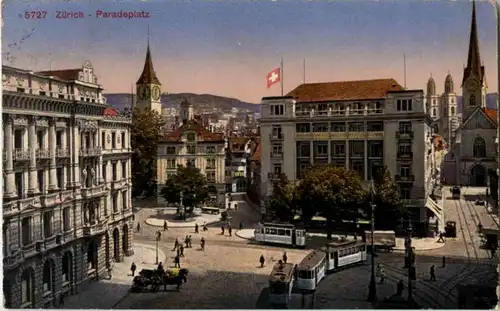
(98, 295)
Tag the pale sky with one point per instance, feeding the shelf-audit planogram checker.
(227, 47)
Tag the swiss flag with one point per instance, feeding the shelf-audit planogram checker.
(273, 77)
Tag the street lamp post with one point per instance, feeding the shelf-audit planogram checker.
(157, 239)
(372, 290)
(410, 263)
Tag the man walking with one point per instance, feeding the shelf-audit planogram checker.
(432, 272)
(230, 230)
(262, 260)
(222, 230)
(177, 262)
(165, 225)
(133, 268)
(202, 244)
(285, 257)
(138, 227)
(196, 228)
(181, 251)
(176, 244)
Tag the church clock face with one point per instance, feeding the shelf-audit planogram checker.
(156, 93)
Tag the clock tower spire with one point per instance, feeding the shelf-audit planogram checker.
(148, 86)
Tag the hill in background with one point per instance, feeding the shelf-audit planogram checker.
(491, 101)
(200, 101)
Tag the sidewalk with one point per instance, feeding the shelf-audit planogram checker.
(105, 294)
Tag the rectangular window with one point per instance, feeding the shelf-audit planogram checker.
(60, 177)
(375, 126)
(320, 148)
(41, 181)
(338, 127)
(210, 149)
(405, 170)
(405, 192)
(404, 105)
(26, 231)
(124, 200)
(191, 149)
(320, 127)
(171, 164)
(405, 127)
(358, 167)
(40, 136)
(338, 149)
(357, 148)
(124, 169)
(113, 140)
(170, 150)
(115, 203)
(115, 173)
(47, 224)
(277, 110)
(277, 169)
(404, 148)
(103, 140)
(304, 148)
(66, 219)
(123, 141)
(356, 127)
(277, 149)
(20, 184)
(211, 177)
(276, 131)
(376, 148)
(210, 163)
(303, 128)
(104, 171)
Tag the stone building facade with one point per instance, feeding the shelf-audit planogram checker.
(58, 234)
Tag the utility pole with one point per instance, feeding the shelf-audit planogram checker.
(372, 290)
(410, 264)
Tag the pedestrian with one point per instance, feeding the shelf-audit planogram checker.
(165, 225)
(176, 243)
(177, 262)
(222, 230)
(186, 241)
(205, 226)
(241, 225)
(432, 272)
(235, 206)
(138, 226)
(159, 235)
(181, 251)
(160, 267)
(400, 287)
(382, 275)
(262, 260)
(190, 239)
(444, 261)
(230, 230)
(196, 228)
(441, 237)
(133, 267)
(202, 244)
(285, 258)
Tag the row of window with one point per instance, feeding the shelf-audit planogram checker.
(324, 127)
(191, 149)
(452, 111)
(404, 105)
(375, 148)
(60, 96)
(114, 140)
(210, 164)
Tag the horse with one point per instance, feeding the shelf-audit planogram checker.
(147, 278)
(175, 280)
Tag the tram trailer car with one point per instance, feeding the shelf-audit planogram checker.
(280, 233)
(281, 283)
(328, 258)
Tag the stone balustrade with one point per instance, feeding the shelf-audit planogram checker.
(21, 154)
(49, 199)
(62, 153)
(93, 229)
(43, 154)
(91, 152)
(93, 191)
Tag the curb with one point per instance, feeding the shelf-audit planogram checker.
(170, 226)
(242, 237)
(421, 250)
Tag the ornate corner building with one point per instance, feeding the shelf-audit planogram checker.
(67, 210)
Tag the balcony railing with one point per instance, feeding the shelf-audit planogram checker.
(21, 154)
(91, 152)
(94, 229)
(408, 178)
(405, 155)
(274, 155)
(50, 199)
(62, 153)
(404, 135)
(93, 191)
(273, 176)
(338, 112)
(43, 154)
(210, 167)
(276, 136)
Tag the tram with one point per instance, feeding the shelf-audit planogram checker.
(281, 283)
(280, 233)
(330, 257)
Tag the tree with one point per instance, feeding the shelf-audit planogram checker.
(146, 129)
(283, 202)
(332, 192)
(389, 208)
(187, 186)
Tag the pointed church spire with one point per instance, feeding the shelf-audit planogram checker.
(474, 66)
(148, 75)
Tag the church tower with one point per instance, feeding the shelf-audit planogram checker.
(186, 111)
(432, 100)
(149, 87)
(449, 110)
(474, 80)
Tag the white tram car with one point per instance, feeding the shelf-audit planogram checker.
(281, 283)
(328, 258)
(280, 233)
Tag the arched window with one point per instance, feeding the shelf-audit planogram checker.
(452, 111)
(434, 112)
(479, 148)
(472, 100)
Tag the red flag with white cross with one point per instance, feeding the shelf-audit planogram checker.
(273, 77)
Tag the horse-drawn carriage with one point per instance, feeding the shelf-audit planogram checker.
(152, 280)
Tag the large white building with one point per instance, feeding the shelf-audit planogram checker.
(362, 125)
(66, 184)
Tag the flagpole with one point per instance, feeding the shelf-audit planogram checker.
(404, 64)
(281, 76)
(304, 71)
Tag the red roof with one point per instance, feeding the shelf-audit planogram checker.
(110, 112)
(345, 90)
(237, 144)
(257, 151)
(66, 74)
(491, 113)
(439, 143)
(203, 134)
